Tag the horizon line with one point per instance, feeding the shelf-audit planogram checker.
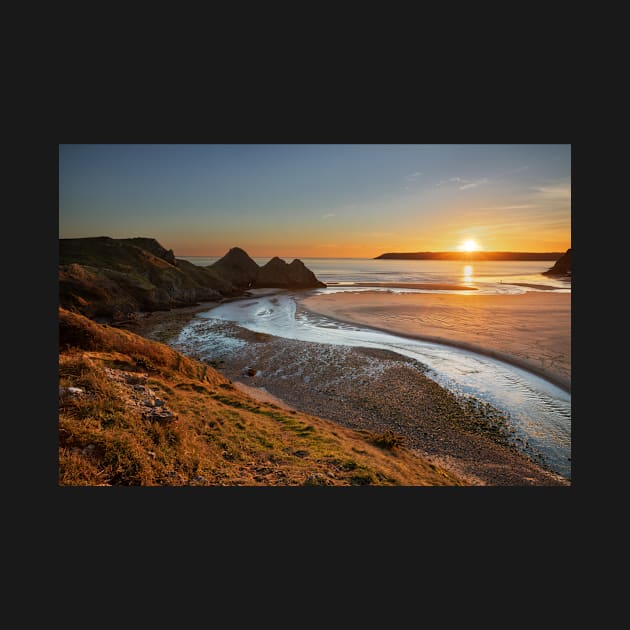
(445, 251)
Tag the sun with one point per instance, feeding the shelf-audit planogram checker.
(469, 245)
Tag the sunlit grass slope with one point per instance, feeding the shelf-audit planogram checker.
(111, 431)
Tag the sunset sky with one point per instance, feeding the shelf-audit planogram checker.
(319, 200)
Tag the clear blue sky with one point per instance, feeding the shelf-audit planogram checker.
(319, 200)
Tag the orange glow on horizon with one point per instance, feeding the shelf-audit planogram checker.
(347, 245)
(351, 250)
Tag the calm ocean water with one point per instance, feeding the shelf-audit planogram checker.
(485, 276)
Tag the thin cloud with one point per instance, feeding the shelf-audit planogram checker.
(463, 183)
(474, 183)
(413, 176)
(329, 215)
(517, 207)
(556, 191)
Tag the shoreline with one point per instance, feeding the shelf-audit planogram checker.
(554, 379)
(306, 376)
(363, 309)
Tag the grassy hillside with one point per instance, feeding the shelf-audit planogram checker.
(146, 415)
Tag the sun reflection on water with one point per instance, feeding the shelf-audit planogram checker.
(468, 273)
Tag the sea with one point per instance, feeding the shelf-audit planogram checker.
(483, 276)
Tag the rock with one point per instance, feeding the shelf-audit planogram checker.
(70, 392)
(277, 273)
(300, 276)
(562, 266)
(154, 402)
(236, 267)
(164, 415)
(134, 379)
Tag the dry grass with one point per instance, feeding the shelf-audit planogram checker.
(221, 437)
(388, 440)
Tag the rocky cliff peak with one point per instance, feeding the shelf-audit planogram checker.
(277, 273)
(237, 267)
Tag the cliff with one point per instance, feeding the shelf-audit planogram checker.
(236, 267)
(277, 273)
(111, 279)
(562, 266)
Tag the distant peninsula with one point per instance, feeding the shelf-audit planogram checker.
(468, 256)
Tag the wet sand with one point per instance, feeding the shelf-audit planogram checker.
(531, 330)
(163, 325)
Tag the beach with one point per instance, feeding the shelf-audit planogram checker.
(374, 390)
(531, 330)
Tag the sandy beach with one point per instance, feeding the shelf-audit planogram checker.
(531, 330)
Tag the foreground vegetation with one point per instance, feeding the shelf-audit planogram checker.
(136, 412)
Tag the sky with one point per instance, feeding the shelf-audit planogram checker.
(319, 200)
